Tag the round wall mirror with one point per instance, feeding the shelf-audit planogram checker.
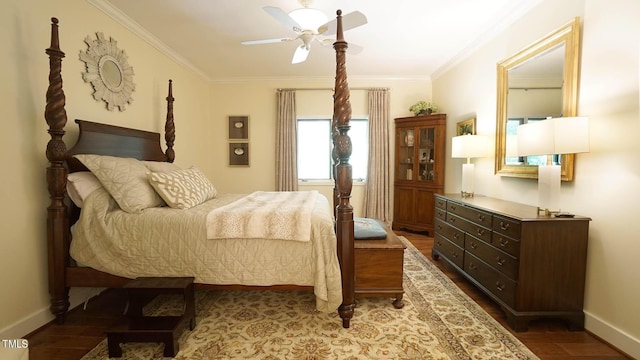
(108, 71)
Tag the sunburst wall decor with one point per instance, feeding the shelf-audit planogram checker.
(108, 71)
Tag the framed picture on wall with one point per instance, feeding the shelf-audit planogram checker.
(466, 127)
(239, 127)
(239, 154)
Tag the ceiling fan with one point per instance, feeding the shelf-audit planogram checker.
(309, 24)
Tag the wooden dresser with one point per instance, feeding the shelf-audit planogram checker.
(532, 265)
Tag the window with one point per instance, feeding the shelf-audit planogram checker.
(314, 149)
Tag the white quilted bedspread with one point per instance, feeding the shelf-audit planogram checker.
(173, 242)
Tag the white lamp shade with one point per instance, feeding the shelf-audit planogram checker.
(469, 146)
(566, 135)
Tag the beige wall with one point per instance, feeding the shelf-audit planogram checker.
(24, 300)
(606, 179)
(258, 100)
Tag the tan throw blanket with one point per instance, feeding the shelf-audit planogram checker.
(284, 215)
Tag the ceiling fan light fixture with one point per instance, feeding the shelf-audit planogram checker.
(308, 18)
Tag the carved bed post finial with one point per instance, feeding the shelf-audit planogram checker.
(169, 126)
(57, 229)
(342, 148)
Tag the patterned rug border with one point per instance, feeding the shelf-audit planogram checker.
(267, 325)
(446, 336)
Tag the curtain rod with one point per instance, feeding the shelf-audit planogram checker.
(331, 89)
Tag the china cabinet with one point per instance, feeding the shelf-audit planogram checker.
(419, 170)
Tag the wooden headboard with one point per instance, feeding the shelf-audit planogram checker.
(103, 139)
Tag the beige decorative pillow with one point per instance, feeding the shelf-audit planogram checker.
(125, 179)
(183, 189)
(160, 166)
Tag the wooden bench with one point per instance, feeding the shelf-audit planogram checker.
(379, 267)
(137, 327)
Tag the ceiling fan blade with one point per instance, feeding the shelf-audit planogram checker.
(349, 21)
(300, 55)
(265, 41)
(283, 17)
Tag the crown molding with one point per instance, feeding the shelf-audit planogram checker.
(507, 17)
(106, 7)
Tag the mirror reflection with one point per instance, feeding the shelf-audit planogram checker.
(538, 82)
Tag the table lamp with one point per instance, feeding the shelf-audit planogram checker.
(565, 135)
(468, 146)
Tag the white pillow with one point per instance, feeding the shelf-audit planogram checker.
(80, 184)
(183, 189)
(125, 179)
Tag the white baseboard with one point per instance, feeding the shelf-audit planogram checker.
(614, 336)
(36, 320)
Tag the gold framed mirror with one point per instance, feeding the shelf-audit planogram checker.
(108, 71)
(539, 81)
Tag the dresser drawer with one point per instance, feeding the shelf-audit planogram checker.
(500, 260)
(505, 243)
(473, 215)
(498, 284)
(449, 250)
(469, 227)
(451, 233)
(506, 226)
(441, 203)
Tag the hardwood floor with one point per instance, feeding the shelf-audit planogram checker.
(84, 329)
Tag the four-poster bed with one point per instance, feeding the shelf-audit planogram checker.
(108, 141)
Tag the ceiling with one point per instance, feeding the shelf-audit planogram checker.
(403, 39)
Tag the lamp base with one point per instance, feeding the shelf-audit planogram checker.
(547, 212)
(466, 194)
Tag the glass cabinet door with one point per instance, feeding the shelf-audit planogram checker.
(406, 154)
(426, 155)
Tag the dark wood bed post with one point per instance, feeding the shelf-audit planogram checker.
(169, 126)
(344, 182)
(57, 221)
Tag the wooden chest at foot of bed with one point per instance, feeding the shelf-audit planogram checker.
(379, 268)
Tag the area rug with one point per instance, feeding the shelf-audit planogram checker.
(438, 321)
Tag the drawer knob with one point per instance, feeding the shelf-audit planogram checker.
(454, 254)
(480, 217)
(439, 227)
(500, 261)
(452, 219)
(480, 232)
(472, 266)
(456, 236)
(503, 242)
(499, 286)
(453, 207)
(473, 245)
(504, 226)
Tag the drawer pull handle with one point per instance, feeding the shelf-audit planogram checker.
(499, 286)
(453, 207)
(455, 255)
(480, 232)
(456, 236)
(452, 219)
(480, 217)
(472, 266)
(503, 242)
(439, 243)
(439, 227)
(473, 245)
(504, 226)
(500, 261)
